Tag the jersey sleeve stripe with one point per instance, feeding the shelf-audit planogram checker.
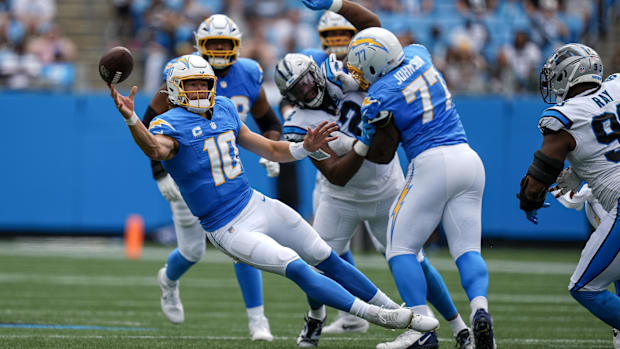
(294, 129)
(558, 115)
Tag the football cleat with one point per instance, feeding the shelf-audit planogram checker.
(616, 338)
(401, 318)
(259, 328)
(464, 340)
(346, 323)
(170, 301)
(482, 327)
(311, 333)
(412, 340)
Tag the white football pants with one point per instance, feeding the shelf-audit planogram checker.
(268, 235)
(443, 184)
(599, 264)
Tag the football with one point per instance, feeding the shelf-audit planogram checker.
(115, 65)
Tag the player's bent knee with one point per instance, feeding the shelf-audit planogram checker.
(195, 252)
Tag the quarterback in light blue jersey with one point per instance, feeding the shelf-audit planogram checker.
(240, 79)
(197, 142)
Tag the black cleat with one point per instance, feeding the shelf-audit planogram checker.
(311, 333)
(483, 330)
(427, 341)
(464, 340)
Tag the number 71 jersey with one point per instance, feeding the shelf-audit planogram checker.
(593, 122)
(416, 96)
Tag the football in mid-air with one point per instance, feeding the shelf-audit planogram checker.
(116, 65)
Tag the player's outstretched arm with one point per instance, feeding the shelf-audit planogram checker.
(339, 170)
(358, 15)
(156, 147)
(283, 151)
(384, 144)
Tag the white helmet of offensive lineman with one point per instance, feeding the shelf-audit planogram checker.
(218, 27)
(191, 67)
(373, 52)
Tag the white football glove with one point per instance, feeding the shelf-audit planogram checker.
(272, 167)
(169, 188)
(337, 68)
(574, 200)
(567, 181)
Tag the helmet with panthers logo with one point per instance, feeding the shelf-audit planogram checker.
(300, 80)
(218, 27)
(568, 66)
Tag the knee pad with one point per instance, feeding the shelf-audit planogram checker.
(182, 215)
(193, 252)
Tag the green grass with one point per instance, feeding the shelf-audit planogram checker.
(90, 283)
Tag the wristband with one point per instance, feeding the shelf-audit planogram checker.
(360, 148)
(336, 6)
(132, 120)
(297, 150)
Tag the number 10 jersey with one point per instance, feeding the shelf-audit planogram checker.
(592, 120)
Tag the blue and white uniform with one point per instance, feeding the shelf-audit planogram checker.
(241, 85)
(445, 179)
(592, 120)
(367, 196)
(241, 222)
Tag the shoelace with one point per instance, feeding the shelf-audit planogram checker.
(386, 315)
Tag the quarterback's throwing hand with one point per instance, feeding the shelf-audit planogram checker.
(320, 136)
(124, 104)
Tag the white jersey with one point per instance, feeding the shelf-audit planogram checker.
(372, 181)
(593, 122)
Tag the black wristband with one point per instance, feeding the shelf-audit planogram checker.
(269, 122)
(545, 169)
(527, 204)
(158, 169)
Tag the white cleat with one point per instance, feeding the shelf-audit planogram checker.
(346, 323)
(170, 301)
(616, 339)
(259, 328)
(390, 318)
(405, 340)
(423, 323)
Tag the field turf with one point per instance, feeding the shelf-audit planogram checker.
(83, 293)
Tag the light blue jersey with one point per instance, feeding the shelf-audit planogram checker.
(319, 56)
(416, 95)
(207, 168)
(241, 84)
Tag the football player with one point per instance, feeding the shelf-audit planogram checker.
(217, 40)
(354, 190)
(583, 128)
(197, 142)
(408, 102)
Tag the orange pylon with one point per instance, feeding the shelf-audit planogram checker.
(134, 236)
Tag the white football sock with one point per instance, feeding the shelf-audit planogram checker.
(479, 302)
(256, 311)
(381, 299)
(457, 324)
(318, 314)
(421, 309)
(359, 308)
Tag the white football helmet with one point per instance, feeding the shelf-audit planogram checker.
(218, 27)
(300, 80)
(373, 52)
(329, 23)
(568, 66)
(191, 67)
